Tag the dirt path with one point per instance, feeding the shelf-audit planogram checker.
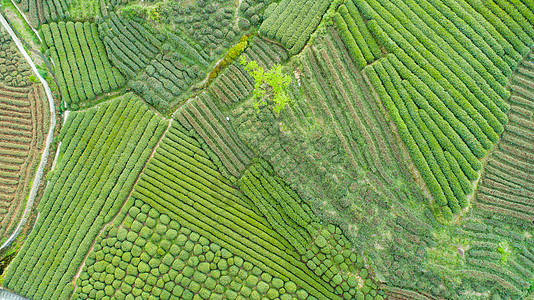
(49, 138)
(236, 12)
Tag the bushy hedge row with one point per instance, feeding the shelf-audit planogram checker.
(454, 80)
(519, 35)
(475, 38)
(356, 35)
(417, 157)
(206, 119)
(292, 22)
(131, 48)
(449, 112)
(348, 39)
(448, 137)
(83, 69)
(431, 60)
(467, 67)
(282, 212)
(105, 153)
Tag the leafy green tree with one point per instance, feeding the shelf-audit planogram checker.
(268, 85)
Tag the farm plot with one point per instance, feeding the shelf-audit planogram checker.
(83, 70)
(330, 92)
(499, 257)
(507, 186)
(102, 153)
(211, 26)
(446, 92)
(160, 68)
(23, 124)
(201, 115)
(292, 22)
(492, 250)
(223, 243)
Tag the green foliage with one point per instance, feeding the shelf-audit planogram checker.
(505, 250)
(229, 57)
(33, 79)
(269, 85)
(292, 23)
(151, 13)
(83, 70)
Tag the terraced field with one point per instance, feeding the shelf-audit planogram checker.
(345, 149)
(23, 126)
(24, 122)
(506, 187)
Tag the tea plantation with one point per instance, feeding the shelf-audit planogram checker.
(267, 149)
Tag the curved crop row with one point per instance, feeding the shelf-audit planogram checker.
(82, 67)
(292, 22)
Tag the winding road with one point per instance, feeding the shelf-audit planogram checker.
(44, 156)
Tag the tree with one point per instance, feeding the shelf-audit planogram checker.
(268, 85)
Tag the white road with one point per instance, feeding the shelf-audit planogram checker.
(44, 156)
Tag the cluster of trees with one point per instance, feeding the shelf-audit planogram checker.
(84, 72)
(292, 22)
(229, 57)
(105, 153)
(269, 85)
(235, 84)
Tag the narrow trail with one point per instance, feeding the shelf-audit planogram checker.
(129, 195)
(49, 138)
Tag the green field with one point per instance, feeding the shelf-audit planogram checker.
(273, 149)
